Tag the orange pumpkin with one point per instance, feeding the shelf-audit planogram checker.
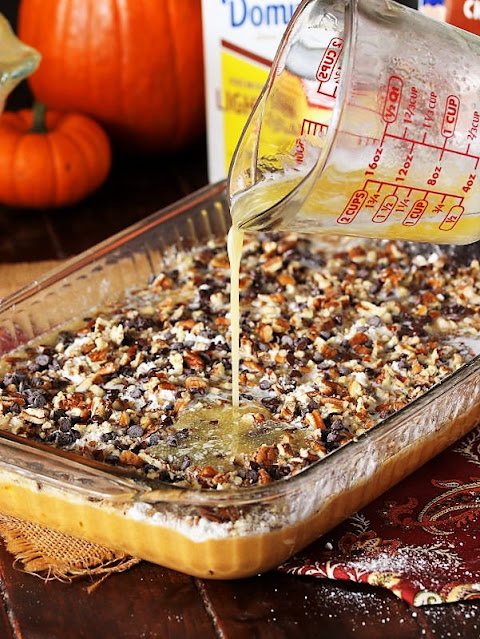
(135, 66)
(50, 160)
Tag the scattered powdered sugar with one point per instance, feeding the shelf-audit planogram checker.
(415, 561)
(368, 608)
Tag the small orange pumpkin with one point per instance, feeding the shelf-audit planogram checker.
(134, 66)
(50, 159)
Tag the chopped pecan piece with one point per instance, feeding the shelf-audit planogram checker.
(131, 459)
(196, 384)
(194, 361)
(266, 455)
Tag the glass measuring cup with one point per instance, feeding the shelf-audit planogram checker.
(369, 125)
(17, 60)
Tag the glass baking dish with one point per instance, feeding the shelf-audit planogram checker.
(211, 534)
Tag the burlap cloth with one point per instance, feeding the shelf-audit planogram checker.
(420, 539)
(53, 555)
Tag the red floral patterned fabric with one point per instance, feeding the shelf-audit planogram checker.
(421, 539)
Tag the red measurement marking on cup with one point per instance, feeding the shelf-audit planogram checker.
(418, 209)
(409, 202)
(299, 150)
(469, 183)
(311, 127)
(325, 69)
(450, 116)
(353, 207)
(329, 60)
(386, 207)
(392, 99)
(452, 217)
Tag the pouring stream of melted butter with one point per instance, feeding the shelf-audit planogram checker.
(234, 248)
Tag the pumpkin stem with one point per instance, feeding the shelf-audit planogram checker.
(38, 119)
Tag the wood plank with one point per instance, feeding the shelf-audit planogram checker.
(460, 619)
(24, 236)
(145, 601)
(7, 616)
(278, 606)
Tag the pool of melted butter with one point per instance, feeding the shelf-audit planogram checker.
(217, 436)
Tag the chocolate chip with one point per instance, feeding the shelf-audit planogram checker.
(271, 402)
(265, 384)
(324, 366)
(290, 358)
(16, 378)
(33, 368)
(121, 445)
(374, 321)
(204, 291)
(186, 461)
(54, 364)
(65, 439)
(65, 424)
(35, 398)
(172, 441)
(42, 360)
(66, 338)
(139, 322)
(455, 312)
(154, 439)
(331, 446)
(135, 431)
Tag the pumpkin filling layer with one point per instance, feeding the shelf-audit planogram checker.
(332, 343)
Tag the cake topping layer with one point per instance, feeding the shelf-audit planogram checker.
(334, 340)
